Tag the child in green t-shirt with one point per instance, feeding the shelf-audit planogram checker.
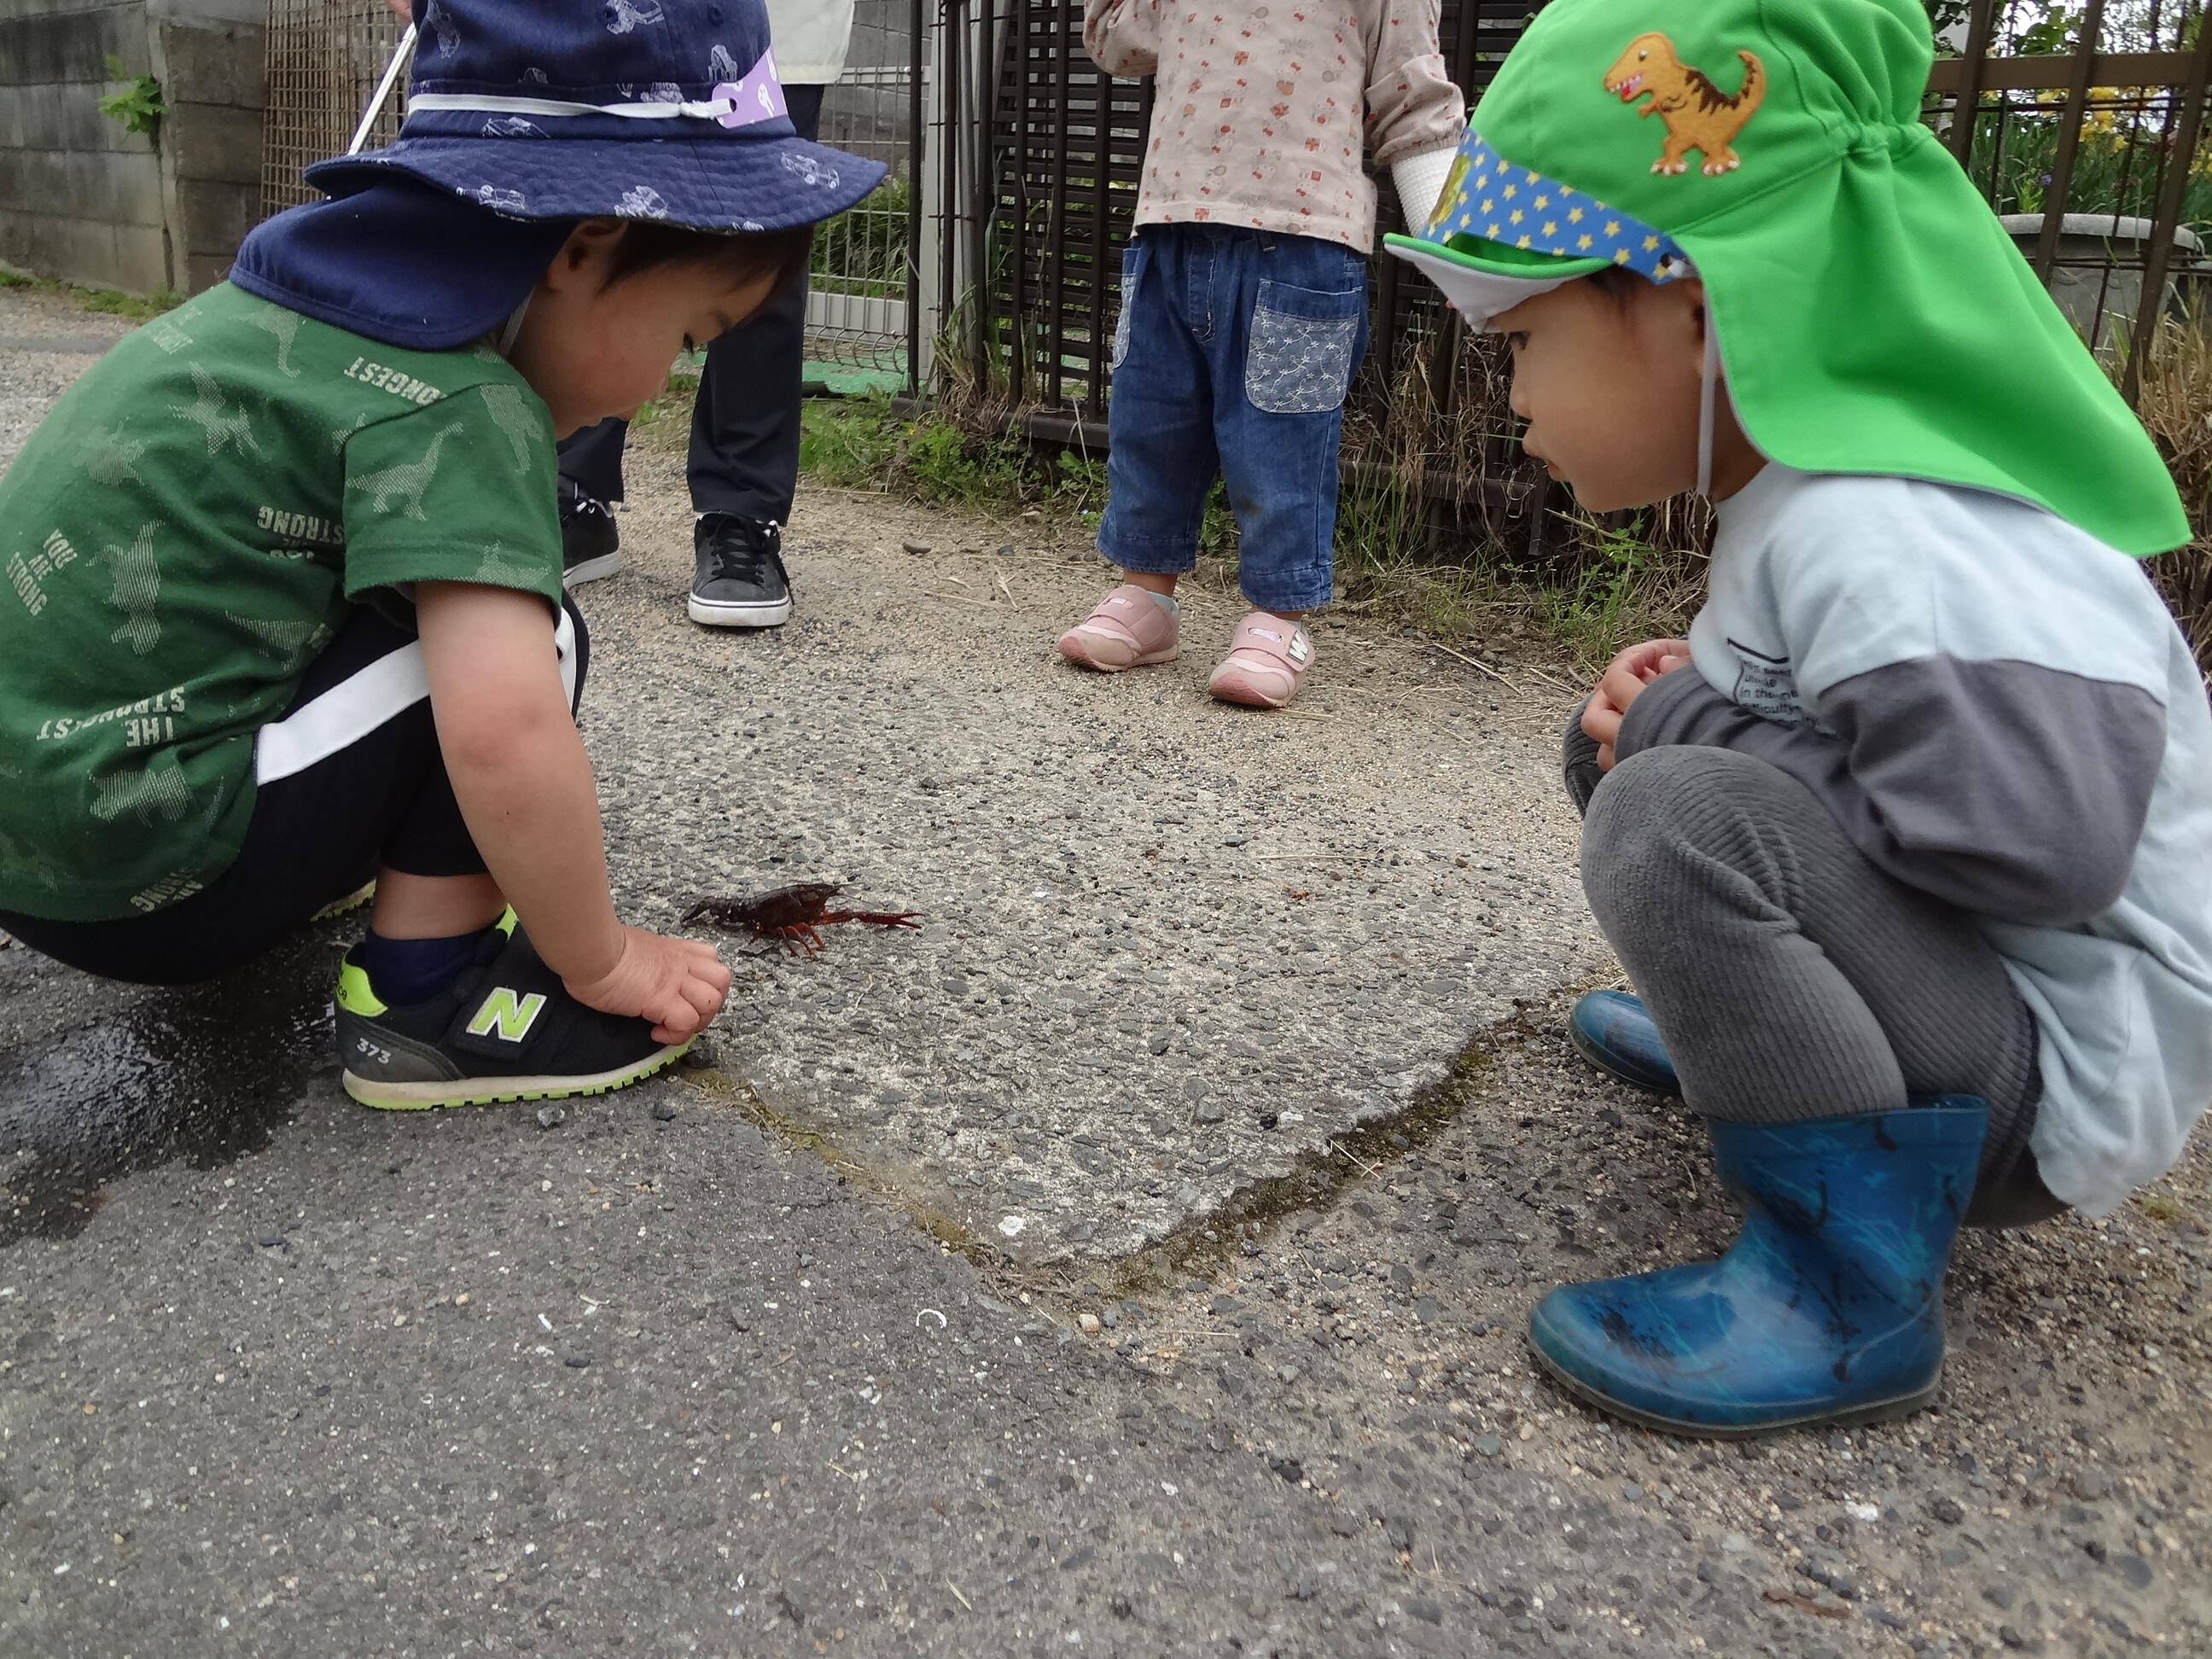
(283, 609)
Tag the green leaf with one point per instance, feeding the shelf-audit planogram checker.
(139, 106)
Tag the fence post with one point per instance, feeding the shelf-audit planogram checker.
(2069, 139)
(1981, 25)
(922, 304)
(2171, 187)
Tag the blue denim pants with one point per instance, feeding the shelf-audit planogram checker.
(1234, 353)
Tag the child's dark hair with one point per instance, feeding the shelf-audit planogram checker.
(1618, 283)
(744, 257)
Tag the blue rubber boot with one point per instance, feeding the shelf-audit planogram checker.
(1828, 1308)
(1613, 1032)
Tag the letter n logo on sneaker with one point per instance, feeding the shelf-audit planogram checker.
(513, 1017)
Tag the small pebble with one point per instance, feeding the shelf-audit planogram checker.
(551, 1117)
(918, 549)
(577, 1362)
(2093, 1485)
(1088, 1324)
(664, 1111)
(700, 1056)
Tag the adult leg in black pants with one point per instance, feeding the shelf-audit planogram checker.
(744, 468)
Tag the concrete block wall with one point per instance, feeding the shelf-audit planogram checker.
(83, 200)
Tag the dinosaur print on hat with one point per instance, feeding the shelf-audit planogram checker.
(1697, 114)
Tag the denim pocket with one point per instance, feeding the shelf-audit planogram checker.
(1133, 269)
(1303, 349)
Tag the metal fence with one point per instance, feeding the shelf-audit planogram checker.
(2084, 126)
(324, 59)
(2087, 133)
(860, 312)
(1015, 167)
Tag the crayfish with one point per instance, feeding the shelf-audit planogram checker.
(792, 914)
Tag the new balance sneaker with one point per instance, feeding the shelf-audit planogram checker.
(591, 545)
(739, 581)
(506, 1029)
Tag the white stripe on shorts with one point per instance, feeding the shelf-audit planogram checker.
(356, 706)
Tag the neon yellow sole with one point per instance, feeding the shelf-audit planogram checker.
(346, 905)
(494, 1092)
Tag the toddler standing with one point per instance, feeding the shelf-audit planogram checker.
(1244, 301)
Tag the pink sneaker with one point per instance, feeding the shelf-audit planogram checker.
(1128, 629)
(1267, 661)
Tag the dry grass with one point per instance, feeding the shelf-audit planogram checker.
(1435, 516)
(2176, 405)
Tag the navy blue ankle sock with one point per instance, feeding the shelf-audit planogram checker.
(405, 971)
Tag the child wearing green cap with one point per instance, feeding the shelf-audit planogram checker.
(1908, 847)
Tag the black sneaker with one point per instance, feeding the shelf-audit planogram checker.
(590, 546)
(740, 581)
(504, 1029)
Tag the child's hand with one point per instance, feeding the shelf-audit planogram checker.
(676, 983)
(1622, 682)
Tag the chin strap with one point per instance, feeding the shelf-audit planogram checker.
(1708, 398)
(512, 328)
(382, 91)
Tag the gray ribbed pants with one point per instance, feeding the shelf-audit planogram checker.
(1791, 978)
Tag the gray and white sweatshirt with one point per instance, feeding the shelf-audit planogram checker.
(1999, 711)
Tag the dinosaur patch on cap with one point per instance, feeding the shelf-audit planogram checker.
(1697, 114)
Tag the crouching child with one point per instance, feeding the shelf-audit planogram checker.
(285, 613)
(1908, 848)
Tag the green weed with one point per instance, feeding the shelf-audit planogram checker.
(865, 252)
(139, 105)
(138, 308)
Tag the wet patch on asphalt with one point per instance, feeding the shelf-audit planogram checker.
(204, 1074)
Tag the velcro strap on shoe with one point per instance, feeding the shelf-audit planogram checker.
(1270, 637)
(513, 1004)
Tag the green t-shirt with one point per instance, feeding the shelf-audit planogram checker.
(181, 537)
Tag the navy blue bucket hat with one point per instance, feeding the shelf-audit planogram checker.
(667, 110)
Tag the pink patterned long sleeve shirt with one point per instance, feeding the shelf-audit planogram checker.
(1262, 111)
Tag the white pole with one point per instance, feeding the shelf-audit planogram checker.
(382, 91)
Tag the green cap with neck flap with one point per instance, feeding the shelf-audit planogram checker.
(1872, 315)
